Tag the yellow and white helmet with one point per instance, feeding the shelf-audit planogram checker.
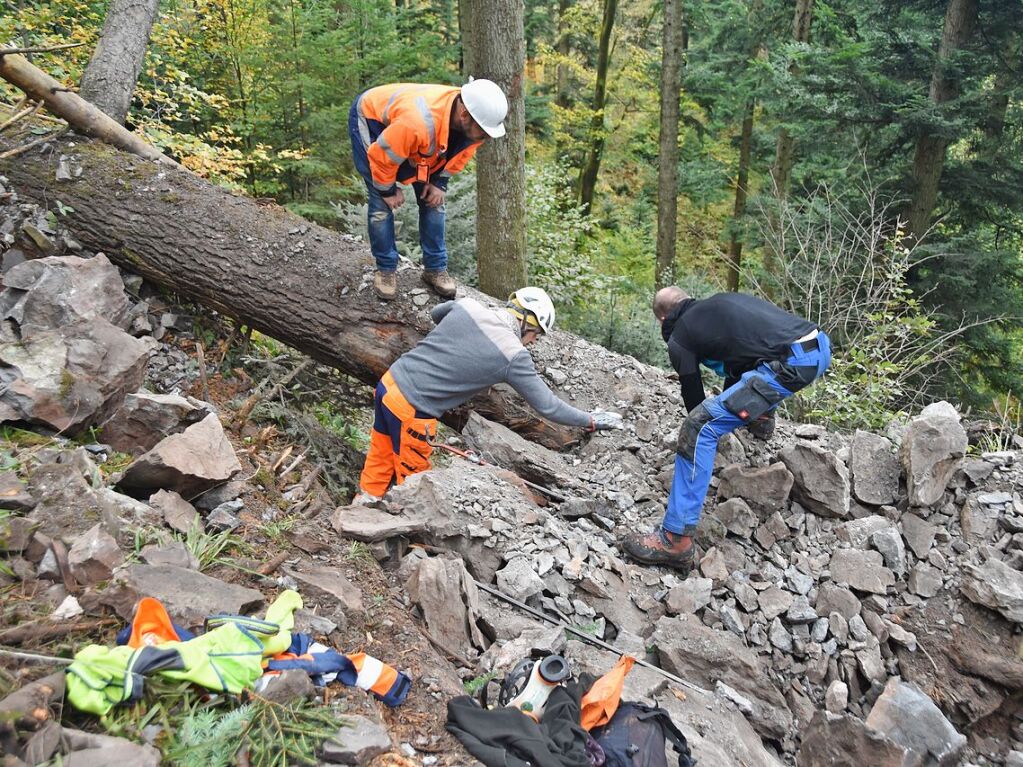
(534, 306)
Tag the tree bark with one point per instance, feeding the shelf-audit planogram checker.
(224, 251)
(563, 97)
(741, 192)
(929, 160)
(79, 113)
(588, 177)
(667, 160)
(497, 51)
(110, 77)
(783, 154)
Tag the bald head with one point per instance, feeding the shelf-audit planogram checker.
(667, 299)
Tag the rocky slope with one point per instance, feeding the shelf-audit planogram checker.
(858, 598)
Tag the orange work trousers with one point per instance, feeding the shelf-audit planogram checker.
(397, 443)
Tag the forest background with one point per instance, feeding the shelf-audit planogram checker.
(857, 162)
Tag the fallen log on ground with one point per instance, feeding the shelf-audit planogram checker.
(300, 283)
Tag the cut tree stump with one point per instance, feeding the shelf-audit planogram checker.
(300, 283)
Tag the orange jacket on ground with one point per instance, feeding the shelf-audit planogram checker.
(410, 123)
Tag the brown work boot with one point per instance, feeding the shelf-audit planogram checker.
(386, 285)
(441, 282)
(661, 547)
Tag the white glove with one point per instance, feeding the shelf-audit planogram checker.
(600, 420)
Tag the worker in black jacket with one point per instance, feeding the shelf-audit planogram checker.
(765, 355)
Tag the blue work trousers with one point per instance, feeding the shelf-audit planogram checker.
(381, 218)
(757, 392)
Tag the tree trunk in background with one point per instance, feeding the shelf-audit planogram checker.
(667, 165)
(109, 79)
(230, 254)
(497, 51)
(783, 156)
(588, 177)
(929, 161)
(741, 191)
(562, 97)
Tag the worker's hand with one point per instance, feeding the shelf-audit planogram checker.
(433, 196)
(601, 420)
(396, 200)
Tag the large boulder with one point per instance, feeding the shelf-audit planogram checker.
(500, 445)
(932, 449)
(845, 741)
(146, 418)
(997, 586)
(371, 525)
(188, 463)
(765, 489)
(51, 293)
(907, 716)
(68, 506)
(875, 469)
(821, 479)
(705, 656)
(70, 378)
(861, 571)
(189, 596)
(449, 600)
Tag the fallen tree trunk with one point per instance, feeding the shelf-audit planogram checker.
(288, 278)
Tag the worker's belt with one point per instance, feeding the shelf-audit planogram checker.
(415, 434)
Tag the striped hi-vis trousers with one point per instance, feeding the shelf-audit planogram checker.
(397, 443)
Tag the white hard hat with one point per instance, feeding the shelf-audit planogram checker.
(487, 104)
(536, 302)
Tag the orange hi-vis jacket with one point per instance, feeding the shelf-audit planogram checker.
(407, 124)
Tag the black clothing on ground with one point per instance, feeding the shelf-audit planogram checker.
(505, 737)
(730, 333)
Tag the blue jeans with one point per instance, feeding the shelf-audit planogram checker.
(381, 218)
(757, 392)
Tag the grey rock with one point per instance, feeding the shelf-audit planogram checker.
(694, 651)
(713, 565)
(838, 624)
(365, 524)
(979, 522)
(875, 469)
(174, 553)
(290, 686)
(800, 611)
(845, 741)
(504, 447)
(798, 581)
(215, 496)
(356, 743)
(195, 460)
(326, 583)
(68, 505)
(764, 489)
(995, 585)
(178, 513)
(49, 293)
(820, 630)
(889, 543)
(732, 621)
(858, 531)
(70, 378)
(13, 493)
(924, 580)
(93, 556)
(146, 418)
(858, 628)
(932, 449)
(907, 716)
(836, 698)
(449, 600)
(221, 520)
(189, 596)
(746, 596)
(919, 534)
(517, 579)
(737, 517)
(832, 598)
(861, 570)
(779, 636)
(871, 664)
(89, 749)
(821, 480)
(691, 595)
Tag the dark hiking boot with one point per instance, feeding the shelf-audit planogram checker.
(441, 282)
(386, 285)
(762, 427)
(661, 548)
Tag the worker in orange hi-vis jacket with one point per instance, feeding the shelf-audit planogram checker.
(420, 135)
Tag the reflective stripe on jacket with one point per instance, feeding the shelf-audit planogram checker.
(409, 123)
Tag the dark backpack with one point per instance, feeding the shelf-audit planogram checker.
(636, 737)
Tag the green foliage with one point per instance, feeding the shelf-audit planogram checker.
(477, 683)
(339, 423)
(208, 548)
